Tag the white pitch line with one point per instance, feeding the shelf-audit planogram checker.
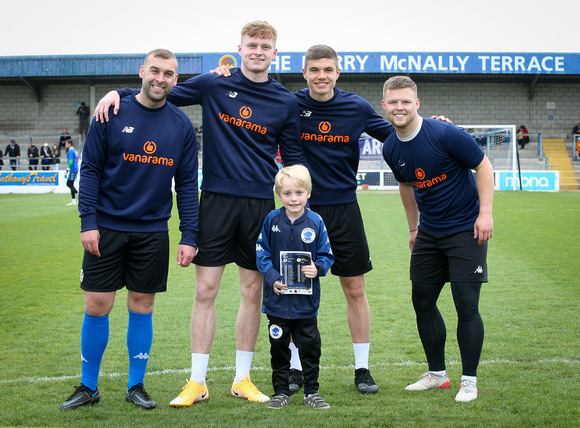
(170, 371)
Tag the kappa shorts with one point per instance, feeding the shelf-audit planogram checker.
(442, 258)
(136, 260)
(229, 228)
(348, 240)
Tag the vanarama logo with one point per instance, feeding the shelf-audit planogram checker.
(245, 113)
(149, 148)
(421, 183)
(324, 128)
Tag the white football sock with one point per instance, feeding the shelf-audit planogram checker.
(361, 355)
(199, 367)
(243, 364)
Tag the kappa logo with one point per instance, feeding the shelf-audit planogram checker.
(83, 359)
(128, 129)
(479, 270)
(141, 356)
(259, 248)
(275, 228)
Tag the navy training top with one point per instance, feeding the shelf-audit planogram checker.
(437, 162)
(127, 169)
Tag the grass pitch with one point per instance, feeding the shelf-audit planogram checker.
(529, 374)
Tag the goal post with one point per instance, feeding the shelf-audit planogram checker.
(499, 144)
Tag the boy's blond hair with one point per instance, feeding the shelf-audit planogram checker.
(298, 174)
(260, 30)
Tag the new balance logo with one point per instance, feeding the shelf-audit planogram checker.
(142, 356)
(128, 129)
(478, 270)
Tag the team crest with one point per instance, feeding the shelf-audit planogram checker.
(308, 235)
(275, 331)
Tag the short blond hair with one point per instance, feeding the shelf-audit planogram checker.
(260, 30)
(400, 82)
(299, 175)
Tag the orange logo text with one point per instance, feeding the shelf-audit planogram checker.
(149, 148)
(242, 123)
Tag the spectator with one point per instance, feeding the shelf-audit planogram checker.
(576, 130)
(13, 153)
(56, 156)
(63, 137)
(46, 155)
(32, 157)
(83, 113)
(523, 137)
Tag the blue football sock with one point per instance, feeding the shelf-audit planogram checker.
(94, 340)
(139, 340)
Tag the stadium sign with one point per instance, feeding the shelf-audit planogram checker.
(546, 181)
(33, 182)
(422, 62)
(29, 178)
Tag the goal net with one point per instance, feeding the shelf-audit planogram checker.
(499, 144)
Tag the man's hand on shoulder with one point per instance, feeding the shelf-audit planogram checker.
(222, 70)
(102, 109)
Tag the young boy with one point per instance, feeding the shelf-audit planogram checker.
(290, 314)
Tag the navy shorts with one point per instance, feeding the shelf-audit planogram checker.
(136, 260)
(348, 240)
(229, 228)
(442, 258)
